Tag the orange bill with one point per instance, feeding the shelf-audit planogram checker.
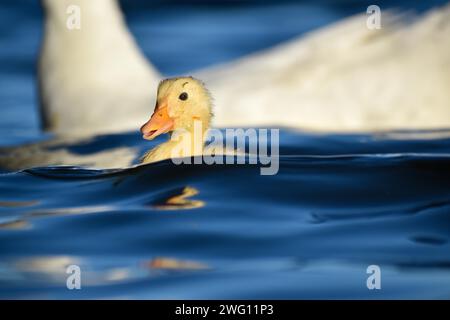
(159, 123)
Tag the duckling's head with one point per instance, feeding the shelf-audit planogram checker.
(180, 102)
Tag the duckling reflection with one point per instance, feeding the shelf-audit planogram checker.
(181, 201)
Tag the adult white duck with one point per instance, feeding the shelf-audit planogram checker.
(95, 78)
(344, 77)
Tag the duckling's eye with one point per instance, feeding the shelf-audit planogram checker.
(183, 96)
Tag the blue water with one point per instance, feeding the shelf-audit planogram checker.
(338, 204)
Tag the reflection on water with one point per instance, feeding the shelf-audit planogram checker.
(43, 270)
(25, 222)
(174, 264)
(50, 265)
(15, 224)
(52, 270)
(180, 201)
(16, 204)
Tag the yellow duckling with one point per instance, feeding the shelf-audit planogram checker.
(183, 108)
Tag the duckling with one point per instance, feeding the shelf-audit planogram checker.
(183, 109)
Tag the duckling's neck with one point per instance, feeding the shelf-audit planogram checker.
(182, 143)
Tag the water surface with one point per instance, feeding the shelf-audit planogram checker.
(338, 204)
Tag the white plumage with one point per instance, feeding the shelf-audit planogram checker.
(344, 77)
